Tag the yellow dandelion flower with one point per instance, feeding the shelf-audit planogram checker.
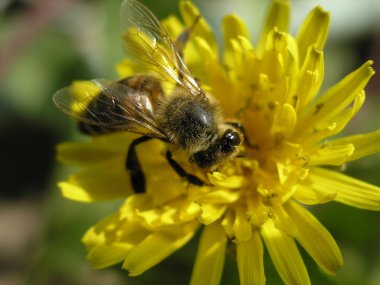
(253, 201)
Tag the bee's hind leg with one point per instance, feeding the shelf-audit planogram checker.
(192, 179)
(133, 165)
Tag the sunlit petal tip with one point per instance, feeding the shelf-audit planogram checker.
(107, 255)
(220, 196)
(234, 26)
(94, 236)
(210, 213)
(190, 15)
(188, 10)
(156, 247)
(365, 144)
(309, 196)
(319, 9)
(350, 191)
(205, 50)
(314, 59)
(277, 17)
(332, 155)
(316, 50)
(314, 30)
(124, 68)
(317, 241)
(369, 64)
(222, 180)
(73, 192)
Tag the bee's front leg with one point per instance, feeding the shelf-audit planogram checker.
(192, 179)
(134, 166)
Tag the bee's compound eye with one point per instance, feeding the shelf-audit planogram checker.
(234, 138)
(229, 140)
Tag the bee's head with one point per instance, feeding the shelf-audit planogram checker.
(221, 149)
(230, 140)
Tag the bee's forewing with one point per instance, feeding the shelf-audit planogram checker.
(147, 39)
(109, 104)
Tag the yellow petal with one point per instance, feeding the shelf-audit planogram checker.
(127, 68)
(208, 267)
(314, 30)
(133, 204)
(317, 241)
(211, 212)
(216, 77)
(350, 191)
(82, 91)
(218, 197)
(233, 27)
(275, 56)
(231, 182)
(307, 195)
(365, 144)
(336, 99)
(173, 26)
(228, 222)
(331, 154)
(257, 211)
(104, 181)
(190, 14)
(156, 247)
(282, 221)
(84, 154)
(101, 148)
(310, 78)
(240, 64)
(335, 125)
(96, 235)
(205, 50)
(108, 254)
(175, 213)
(285, 119)
(242, 226)
(278, 17)
(285, 255)
(103, 242)
(346, 115)
(249, 255)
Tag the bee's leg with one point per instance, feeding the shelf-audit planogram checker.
(184, 37)
(181, 172)
(133, 165)
(241, 128)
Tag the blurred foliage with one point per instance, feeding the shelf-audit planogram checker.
(81, 40)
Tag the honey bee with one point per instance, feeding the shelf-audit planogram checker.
(185, 118)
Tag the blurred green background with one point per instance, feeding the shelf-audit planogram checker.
(46, 44)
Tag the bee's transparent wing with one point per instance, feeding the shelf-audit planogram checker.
(147, 39)
(109, 105)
